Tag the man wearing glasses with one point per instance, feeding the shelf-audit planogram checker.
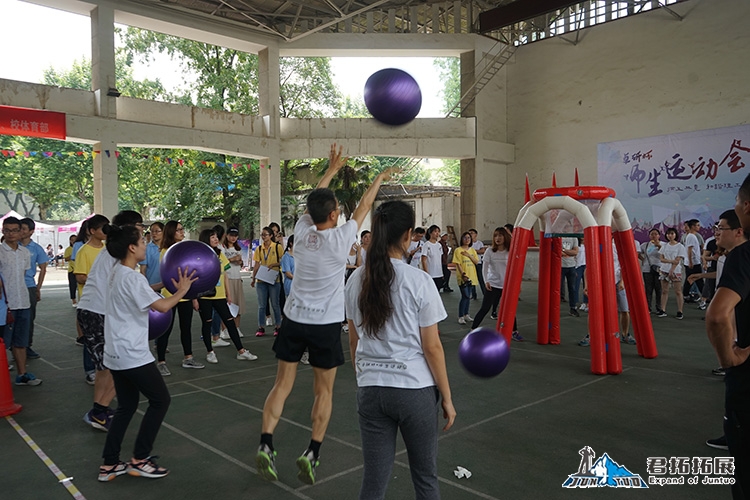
(728, 329)
(14, 261)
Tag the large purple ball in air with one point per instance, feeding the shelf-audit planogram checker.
(196, 256)
(393, 96)
(484, 352)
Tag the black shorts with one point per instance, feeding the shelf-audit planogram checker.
(323, 342)
(92, 326)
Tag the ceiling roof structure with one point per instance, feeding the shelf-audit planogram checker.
(512, 21)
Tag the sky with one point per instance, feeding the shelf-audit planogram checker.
(32, 54)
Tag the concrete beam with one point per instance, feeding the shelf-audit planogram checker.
(379, 45)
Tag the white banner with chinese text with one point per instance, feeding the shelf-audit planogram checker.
(665, 180)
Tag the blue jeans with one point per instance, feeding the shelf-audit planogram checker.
(463, 304)
(266, 291)
(215, 324)
(569, 274)
(580, 272)
(17, 334)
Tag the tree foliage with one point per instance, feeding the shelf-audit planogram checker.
(449, 69)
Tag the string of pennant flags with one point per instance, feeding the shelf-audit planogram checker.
(7, 153)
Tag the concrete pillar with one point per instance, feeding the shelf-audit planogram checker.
(484, 179)
(268, 102)
(102, 80)
(105, 178)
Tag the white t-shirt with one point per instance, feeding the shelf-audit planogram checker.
(478, 245)
(569, 244)
(233, 273)
(397, 358)
(671, 252)
(317, 296)
(650, 254)
(126, 343)
(434, 254)
(493, 270)
(416, 259)
(95, 291)
(581, 256)
(692, 245)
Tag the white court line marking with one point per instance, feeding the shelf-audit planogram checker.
(62, 478)
(230, 458)
(527, 405)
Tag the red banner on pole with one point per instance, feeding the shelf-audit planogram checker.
(32, 123)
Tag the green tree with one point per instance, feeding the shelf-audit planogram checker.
(450, 74)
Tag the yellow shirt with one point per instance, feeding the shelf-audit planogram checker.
(467, 265)
(268, 257)
(221, 290)
(66, 255)
(84, 260)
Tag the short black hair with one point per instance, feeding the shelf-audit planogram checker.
(744, 191)
(320, 203)
(731, 217)
(127, 218)
(11, 220)
(28, 223)
(419, 230)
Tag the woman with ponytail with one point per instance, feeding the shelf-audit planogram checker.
(393, 310)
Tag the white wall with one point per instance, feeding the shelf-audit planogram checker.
(642, 76)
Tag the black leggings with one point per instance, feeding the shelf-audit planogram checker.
(72, 286)
(185, 310)
(491, 300)
(129, 384)
(206, 308)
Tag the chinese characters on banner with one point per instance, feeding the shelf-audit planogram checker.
(32, 123)
(665, 180)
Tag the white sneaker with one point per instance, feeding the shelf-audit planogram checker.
(163, 369)
(345, 328)
(305, 360)
(219, 343)
(211, 357)
(269, 321)
(240, 332)
(468, 318)
(246, 356)
(224, 335)
(462, 320)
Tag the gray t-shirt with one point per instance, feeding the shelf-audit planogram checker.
(569, 244)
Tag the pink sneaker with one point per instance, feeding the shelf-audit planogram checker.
(261, 332)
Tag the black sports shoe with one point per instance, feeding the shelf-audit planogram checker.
(147, 468)
(718, 443)
(719, 372)
(574, 312)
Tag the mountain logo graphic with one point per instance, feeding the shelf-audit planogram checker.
(602, 472)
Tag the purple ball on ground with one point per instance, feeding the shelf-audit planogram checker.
(196, 256)
(484, 352)
(393, 96)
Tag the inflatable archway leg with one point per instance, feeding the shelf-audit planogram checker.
(609, 294)
(513, 276)
(596, 302)
(544, 292)
(638, 305)
(555, 273)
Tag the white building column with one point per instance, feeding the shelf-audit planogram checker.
(269, 97)
(484, 178)
(104, 86)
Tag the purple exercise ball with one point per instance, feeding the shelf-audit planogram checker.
(158, 323)
(196, 256)
(484, 352)
(393, 96)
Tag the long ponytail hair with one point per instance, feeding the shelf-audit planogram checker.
(391, 220)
